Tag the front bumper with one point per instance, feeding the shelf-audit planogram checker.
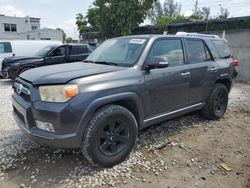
(4, 73)
(9, 72)
(65, 123)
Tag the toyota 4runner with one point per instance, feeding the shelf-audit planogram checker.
(125, 85)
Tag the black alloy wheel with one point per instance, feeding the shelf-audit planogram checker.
(110, 136)
(220, 103)
(113, 137)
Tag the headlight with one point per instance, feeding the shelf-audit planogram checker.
(58, 93)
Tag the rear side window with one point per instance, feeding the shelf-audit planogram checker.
(169, 50)
(222, 48)
(197, 51)
(77, 50)
(5, 47)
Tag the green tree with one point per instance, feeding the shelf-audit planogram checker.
(169, 11)
(205, 13)
(81, 23)
(68, 40)
(93, 18)
(156, 12)
(114, 18)
(201, 14)
(167, 20)
(224, 13)
(121, 17)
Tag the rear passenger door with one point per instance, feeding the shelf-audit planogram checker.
(78, 52)
(202, 70)
(167, 88)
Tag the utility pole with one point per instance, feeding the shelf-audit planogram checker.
(196, 7)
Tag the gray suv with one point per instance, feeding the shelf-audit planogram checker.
(125, 85)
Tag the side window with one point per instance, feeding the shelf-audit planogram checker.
(197, 52)
(77, 50)
(5, 47)
(208, 55)
(59, 51)
(222, 48)
(168, 50)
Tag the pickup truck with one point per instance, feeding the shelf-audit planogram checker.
(50, 55)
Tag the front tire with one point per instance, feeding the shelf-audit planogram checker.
(216, 104)
(110, 136)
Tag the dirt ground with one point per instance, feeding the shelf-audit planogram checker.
(184, 152)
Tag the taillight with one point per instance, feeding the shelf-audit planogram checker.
(235, 63)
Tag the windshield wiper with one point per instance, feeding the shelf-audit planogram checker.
(101, 62)
(88, 61)
(106, 63)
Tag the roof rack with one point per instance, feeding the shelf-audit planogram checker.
(196, 35)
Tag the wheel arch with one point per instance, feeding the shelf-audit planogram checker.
(225, 81)
(128, 100)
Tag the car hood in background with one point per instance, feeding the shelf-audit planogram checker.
(20, 58)
(63, 73)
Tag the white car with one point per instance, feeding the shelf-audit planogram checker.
(10, 48)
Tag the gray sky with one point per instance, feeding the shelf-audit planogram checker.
(58, 13)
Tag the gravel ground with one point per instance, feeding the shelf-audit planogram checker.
(184, 152)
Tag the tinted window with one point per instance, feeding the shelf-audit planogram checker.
(196, 51)
(168, 50)
(45, 51)
(59, 51)
(5, 47)
(222, 48)
(76, 50)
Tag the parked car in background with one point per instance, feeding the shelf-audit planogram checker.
(12, 48)
(125, 85)
(50, 55)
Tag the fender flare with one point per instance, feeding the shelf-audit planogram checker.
(96, 104)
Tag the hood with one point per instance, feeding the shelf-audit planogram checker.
(19, 58)
(63, 73)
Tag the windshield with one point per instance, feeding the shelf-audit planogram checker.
(45, 51)
(118, 51)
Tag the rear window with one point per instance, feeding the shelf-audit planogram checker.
(222, 48)
(5, 47)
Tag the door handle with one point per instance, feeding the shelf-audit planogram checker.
(185, 74)
(212, 69)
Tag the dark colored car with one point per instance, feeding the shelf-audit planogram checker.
(125, 85)
(50, 55)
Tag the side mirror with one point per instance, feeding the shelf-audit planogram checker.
(156, 63)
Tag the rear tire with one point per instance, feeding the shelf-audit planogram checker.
(110, 136)
(216, 104)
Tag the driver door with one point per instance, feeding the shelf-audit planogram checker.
(167, 89)
(57, 56)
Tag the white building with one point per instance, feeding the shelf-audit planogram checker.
(26, 28)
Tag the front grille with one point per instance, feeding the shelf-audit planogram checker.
(22, 89)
